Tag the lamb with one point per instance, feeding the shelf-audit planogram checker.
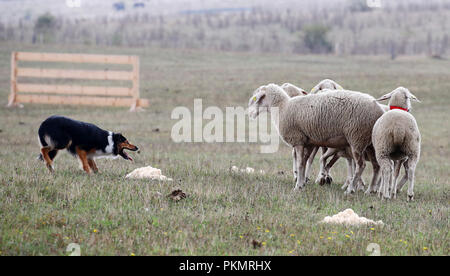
(330, 119)
(396, 137)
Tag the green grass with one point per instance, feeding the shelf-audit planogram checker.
(42, 213)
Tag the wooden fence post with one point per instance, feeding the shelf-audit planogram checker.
(12, 96)
(135, 85)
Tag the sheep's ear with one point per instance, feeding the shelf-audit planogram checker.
(385, 97)
(258, 96)
(304, 92)
(413, 97)
(315, 89)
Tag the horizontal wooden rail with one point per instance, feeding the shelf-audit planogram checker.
(74, 58)
(74, 89)
(74, 74)
(79, 100)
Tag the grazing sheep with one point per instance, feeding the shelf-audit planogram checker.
(330, 119)
(396, 137)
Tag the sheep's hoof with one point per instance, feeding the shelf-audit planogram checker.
(328, 179)
(410, 198)
(349, 192)
(297, 189)
(307, 180)
(322, 180)
(386, 197)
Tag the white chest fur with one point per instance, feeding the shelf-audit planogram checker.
(107, 152)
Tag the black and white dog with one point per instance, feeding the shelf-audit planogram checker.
(85, 140)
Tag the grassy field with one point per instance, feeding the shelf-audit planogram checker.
(223, 212)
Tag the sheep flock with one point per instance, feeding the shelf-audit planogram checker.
(345, 124)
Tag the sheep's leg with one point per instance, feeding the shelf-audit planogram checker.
(330, 164)
(358, 156)
(301, 163)
(350, 172)
(294, 164)
(412, 162)
(404, 178)
(397, 166)
(321, 178)
(309, 163)
(374, 183)
(376, 171)
(386, 172)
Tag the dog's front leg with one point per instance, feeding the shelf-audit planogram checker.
(82, 154)
(92, 165)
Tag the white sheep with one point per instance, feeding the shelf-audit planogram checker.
(396, 137)
(329, 119)
(322, 86)
(346, 153)
(292, 91)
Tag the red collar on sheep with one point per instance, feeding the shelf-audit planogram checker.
(398, 107)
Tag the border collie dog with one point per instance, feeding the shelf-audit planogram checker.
(84, 140)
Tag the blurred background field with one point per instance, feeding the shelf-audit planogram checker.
(224, 212)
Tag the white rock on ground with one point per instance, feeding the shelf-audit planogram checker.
(247, 170)
(148, 172)
(349, 217)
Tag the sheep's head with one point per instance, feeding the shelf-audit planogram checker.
(292, 90)
(326, 84)
(255, 104)
(399, 97)
(264, 98)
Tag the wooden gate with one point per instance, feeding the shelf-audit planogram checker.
(75, 94)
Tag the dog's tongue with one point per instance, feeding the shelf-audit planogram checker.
(128, 157)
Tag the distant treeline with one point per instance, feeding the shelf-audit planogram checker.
(354, 29)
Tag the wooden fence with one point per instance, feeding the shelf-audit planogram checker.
(75, 94)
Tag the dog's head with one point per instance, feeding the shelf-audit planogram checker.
(121, 144)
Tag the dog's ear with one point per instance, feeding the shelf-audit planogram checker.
(117, 137)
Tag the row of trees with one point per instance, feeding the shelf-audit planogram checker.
(343, 30)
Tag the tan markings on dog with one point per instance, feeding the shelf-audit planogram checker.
(82, 154)
(126, 145)
(47, 159)
(92, 165)
(91, 161)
